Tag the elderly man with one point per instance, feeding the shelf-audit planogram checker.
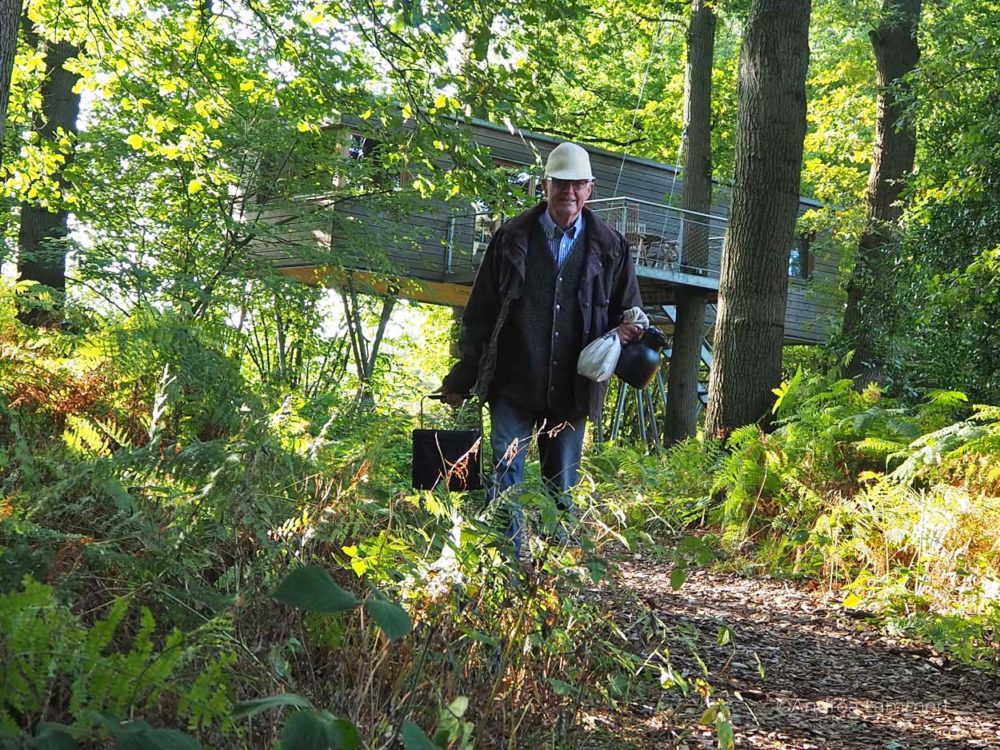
(553, 279)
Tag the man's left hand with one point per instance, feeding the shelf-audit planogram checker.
(629, 332)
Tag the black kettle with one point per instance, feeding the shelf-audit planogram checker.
(640, 360)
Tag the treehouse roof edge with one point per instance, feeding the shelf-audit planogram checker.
(555, 141)
(595, 150)
(516, 132)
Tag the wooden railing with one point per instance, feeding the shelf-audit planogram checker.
(655, 232)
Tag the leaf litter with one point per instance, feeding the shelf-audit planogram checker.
(797, 671)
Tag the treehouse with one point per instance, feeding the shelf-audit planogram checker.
(430, 250)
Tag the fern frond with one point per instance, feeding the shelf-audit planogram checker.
(880, 448)
(84, 437)
(115, 432)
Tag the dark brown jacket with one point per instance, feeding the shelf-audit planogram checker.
(607, 289)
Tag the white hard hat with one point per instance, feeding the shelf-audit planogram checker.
(567, 161)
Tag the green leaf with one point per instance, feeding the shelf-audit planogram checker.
(53, 737)
(727, 738)
(724, 636)
(457, 707)
(138, 735)
(561, 687)
(449, 728)
(597, 571)
(344, 735)
(245, 709)
(413, 737)
(319, 730)
(312, 589)
(389, 616)
(481, 47)
(677, 578)
(306, 730)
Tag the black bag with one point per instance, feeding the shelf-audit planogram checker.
(453, 454)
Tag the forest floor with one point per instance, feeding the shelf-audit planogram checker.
(798, 672)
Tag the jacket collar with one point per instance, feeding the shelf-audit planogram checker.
(602, 240)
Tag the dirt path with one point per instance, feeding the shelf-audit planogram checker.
(796, 674)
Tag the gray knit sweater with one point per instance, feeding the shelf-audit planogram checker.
(542, 338)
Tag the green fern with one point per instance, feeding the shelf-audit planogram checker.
(84, 437)
(43, 645)
(880, 449)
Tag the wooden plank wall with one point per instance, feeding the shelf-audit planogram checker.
(815, 305)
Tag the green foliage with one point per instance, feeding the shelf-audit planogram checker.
(48, 652)
(307, 498)
(313, 590)
(414, 738)
(318, 730)
(892, 499)
(390, 617)
(195, 443)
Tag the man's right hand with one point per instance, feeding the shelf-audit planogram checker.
(449, 397)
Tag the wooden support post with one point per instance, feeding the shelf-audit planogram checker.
(653, 427)
(642, 416)
(387, 305)
(616, 423)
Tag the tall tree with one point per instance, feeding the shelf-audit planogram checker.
(867, 318)
(45, 225)
(10, 12)
(681, 419)
(753, 288)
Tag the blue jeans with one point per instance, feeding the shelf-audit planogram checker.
(560, 445)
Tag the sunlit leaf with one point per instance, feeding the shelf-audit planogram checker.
(852, 600)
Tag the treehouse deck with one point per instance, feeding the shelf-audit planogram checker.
(431, 251)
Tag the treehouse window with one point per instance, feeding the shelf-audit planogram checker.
(374, 155)
(523, 183)
(800, 258)
(523, 186)
(485, 224)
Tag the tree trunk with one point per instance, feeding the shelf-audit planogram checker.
(10, 13)
(753, 288)
(43, 232)
(681, 418)
(867, 318)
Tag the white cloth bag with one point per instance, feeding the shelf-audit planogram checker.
(600, 357)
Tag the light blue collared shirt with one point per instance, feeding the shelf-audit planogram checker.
(560, 243)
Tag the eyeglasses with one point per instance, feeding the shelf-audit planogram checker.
(576, 185)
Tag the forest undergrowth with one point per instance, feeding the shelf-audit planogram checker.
(190, 559)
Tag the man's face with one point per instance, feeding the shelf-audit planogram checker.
(566, 198)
